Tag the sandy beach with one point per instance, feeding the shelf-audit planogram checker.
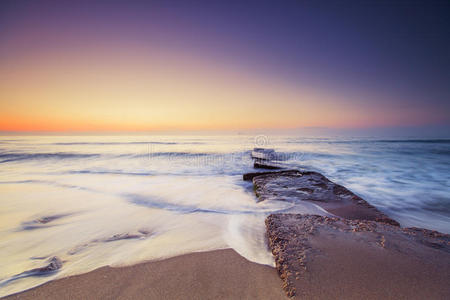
(317, 258)
(219, 150)
(326, 241)
(221, 274)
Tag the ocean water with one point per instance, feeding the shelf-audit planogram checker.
(117, 200)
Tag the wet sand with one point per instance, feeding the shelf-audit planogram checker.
(361, 254)
(220, 274)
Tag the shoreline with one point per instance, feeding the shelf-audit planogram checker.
(217, 274)
(354, 251)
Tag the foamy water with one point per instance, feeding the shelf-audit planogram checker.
(95, 201)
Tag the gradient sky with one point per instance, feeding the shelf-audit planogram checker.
(163, 65)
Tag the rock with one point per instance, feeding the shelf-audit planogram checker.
(250, 176)
(264, 165)
(263, 154)
(45, 220)
(295, 186)
(55, 263)
(42, 222)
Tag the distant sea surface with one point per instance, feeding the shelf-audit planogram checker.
(116, 200)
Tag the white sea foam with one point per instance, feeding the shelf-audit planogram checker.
(95, 201)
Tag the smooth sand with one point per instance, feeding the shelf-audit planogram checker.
(221, 274)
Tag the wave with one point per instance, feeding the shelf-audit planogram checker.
(177, 173)
(20, 181)
(11, 141)
(203, 157)
(155, 202)
(431, 141)
(362, 141)
(440, 205)
(193, 154)
(158, 203)
(124, 143)
(52, 183)
(110, 172)
(178, 154)
(9, 157)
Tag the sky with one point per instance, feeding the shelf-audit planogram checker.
(223, 65)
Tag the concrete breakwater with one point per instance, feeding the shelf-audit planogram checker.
(355, 252)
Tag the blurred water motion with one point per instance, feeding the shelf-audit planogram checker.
(96, 200)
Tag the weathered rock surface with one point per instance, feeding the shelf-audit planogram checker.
(54, 264)
(320, 257)
(250, 176)
(266, 165)
(295, 186)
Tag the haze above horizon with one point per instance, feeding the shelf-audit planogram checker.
(151, 66)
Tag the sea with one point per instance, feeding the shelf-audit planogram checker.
(93, 201)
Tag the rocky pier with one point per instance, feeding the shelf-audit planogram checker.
(354, 251)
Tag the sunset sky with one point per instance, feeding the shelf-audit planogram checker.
(188, 65)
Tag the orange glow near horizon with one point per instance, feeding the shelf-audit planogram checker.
(115, 66)
(146, 90)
